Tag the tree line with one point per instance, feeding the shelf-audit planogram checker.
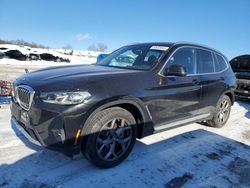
(22, 42)
(101, 47)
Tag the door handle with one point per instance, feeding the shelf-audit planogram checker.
(195, 81)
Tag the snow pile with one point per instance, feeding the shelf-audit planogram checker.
(26, 53)
(30, 58)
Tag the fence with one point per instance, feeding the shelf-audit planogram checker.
(5, 88)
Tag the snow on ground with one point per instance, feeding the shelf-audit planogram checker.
(189, 156)
(69, 54)
(11, 68)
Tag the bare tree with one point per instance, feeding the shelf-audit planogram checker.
(102, 47)
(22, 42)
(92, 47)
(67, 47)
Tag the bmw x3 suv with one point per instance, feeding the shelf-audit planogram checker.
(101, 109)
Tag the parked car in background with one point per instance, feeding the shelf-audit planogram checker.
(101, 109)
(48, 57)
(15, 54)
(241, 68)
(101, 56)
(2, 55)
(34, 57)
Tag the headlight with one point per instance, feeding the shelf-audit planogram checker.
(14, 93)
(64, 98)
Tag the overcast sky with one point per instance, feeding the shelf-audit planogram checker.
(222, 24)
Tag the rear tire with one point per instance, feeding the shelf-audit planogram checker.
(111, 135)
(223, 109)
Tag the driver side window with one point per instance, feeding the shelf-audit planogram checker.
(185, 57)
(125, 59)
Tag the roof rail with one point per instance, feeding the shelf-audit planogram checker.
(198, 44)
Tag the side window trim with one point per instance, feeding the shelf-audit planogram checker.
(213, 57)
(160, 73)
(224, 59)
(216, 59)
(175, 51)
(200, 51)
(196, 62)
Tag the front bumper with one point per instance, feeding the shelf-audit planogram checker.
(244, 93)
(15, 124)
(45, 126)
(243, 88)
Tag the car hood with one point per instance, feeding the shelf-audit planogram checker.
(70, 74)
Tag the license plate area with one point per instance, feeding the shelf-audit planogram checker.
(24, 116)
(19, 113)
(15, 110)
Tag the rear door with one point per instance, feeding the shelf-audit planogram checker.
(210, 69)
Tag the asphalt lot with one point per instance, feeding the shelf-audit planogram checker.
(189, 156)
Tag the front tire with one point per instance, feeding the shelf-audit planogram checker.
(223, 109)
(111, 135)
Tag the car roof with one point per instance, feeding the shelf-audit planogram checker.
(169, 44)
(196, 45)
(179, 44)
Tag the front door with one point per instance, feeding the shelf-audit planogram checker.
(177, 98)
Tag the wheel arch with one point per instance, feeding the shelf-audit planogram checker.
(230, 94)
(136, 112)
(133, 105)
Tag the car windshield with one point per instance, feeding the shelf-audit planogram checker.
(138, 57)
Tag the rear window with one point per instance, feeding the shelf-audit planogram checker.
(220, 63)
(205, 61)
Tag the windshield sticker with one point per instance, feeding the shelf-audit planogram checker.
(163, 48)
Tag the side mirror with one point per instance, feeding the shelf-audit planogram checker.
(175, 70)
(101, 57)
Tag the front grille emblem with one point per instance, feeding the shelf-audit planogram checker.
(24, 96)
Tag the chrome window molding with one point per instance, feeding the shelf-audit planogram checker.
(160, 73)
(196, 45)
